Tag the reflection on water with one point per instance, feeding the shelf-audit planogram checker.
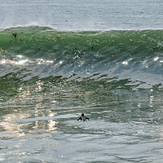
(25, 62)
(12, 128)
(39, 123)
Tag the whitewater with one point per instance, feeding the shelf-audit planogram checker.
(59, 59)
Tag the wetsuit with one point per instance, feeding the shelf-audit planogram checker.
(82, 118)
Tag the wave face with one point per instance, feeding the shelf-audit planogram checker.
(82, 61)
(48, 78)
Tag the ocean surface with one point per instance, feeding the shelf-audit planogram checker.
(61, 58)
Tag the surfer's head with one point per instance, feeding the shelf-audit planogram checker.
(82, 114)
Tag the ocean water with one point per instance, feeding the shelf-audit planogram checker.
(59, 59)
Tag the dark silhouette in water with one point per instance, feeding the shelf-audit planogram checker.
(14, 34)
(82, 118)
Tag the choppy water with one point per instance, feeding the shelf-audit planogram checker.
(48, 77)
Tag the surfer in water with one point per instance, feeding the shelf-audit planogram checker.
(83, 118)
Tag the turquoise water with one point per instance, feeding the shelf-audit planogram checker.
(49, 76)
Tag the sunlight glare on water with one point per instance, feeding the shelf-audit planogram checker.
(59, 59)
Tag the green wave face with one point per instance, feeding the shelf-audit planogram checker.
(76, 51)
(89, 63)
(46, 40)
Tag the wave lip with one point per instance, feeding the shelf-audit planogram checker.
(78, 29)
